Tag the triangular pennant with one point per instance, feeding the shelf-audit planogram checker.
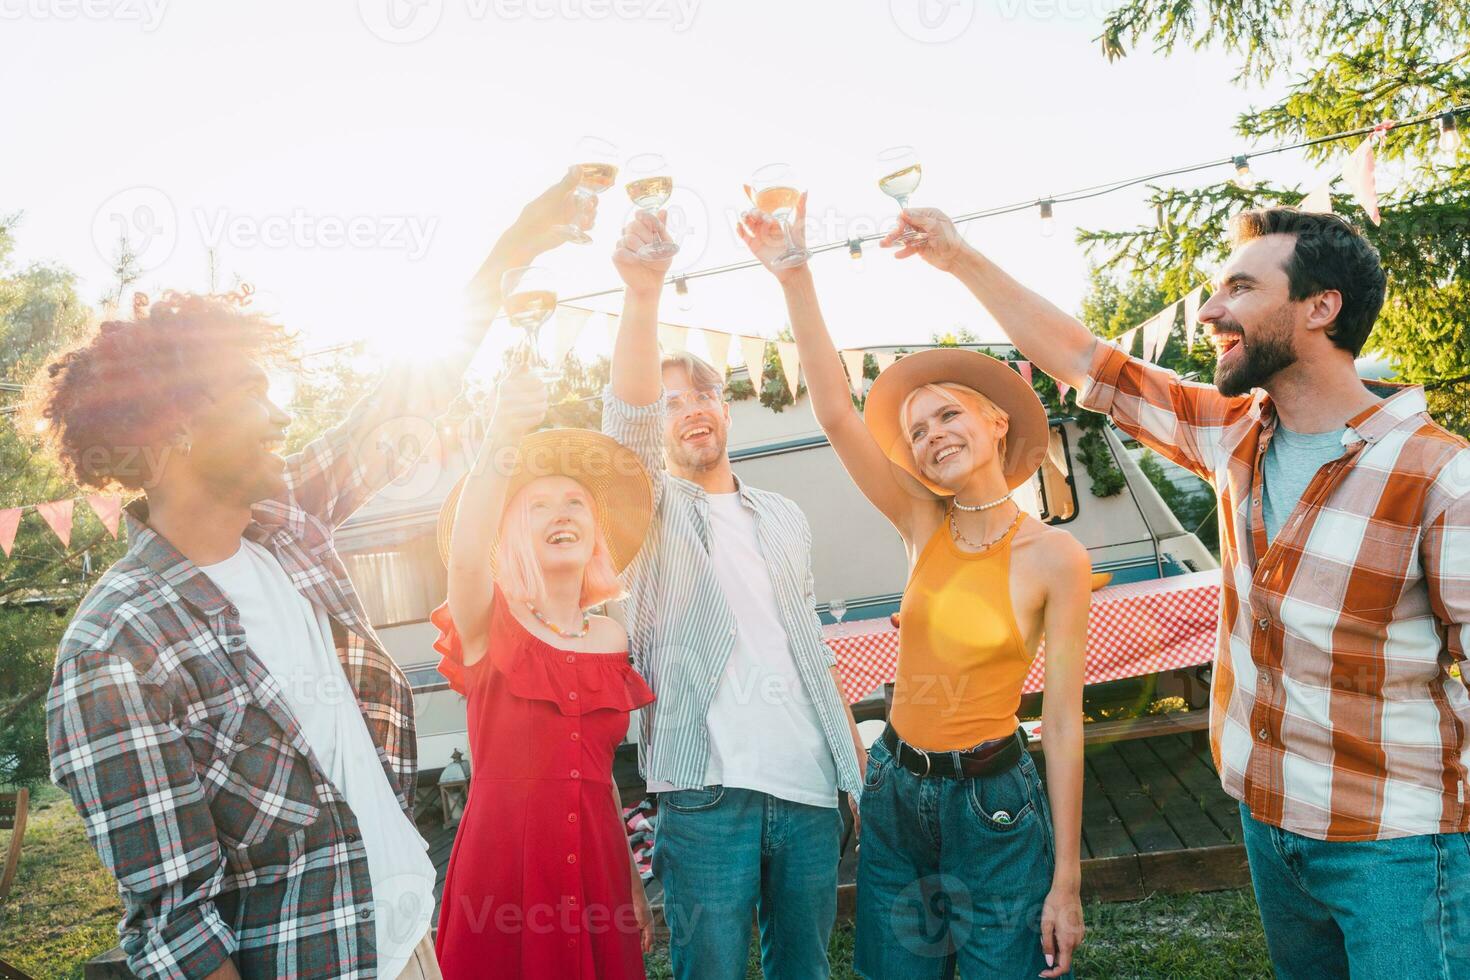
(1125, 340)
(717, 343)
(672, 337)
(1359, 174)
(885, 360)
(1156, 331)
(569, 324)
(57, 514)
(1062, 389)
(108, 508)
(790, 364)
(9, 522)
(613, 323)
(1318, 201)
(1026, 372)
(754, 350)
(853, 361)
(1191, 314)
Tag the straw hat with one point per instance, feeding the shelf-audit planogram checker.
(622, 493)
(1026, 438)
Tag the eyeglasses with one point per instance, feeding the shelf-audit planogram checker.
(677, 400)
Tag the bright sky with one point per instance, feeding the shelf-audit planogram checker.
(417, 128)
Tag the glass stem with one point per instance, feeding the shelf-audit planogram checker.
(786, 231)
(656, 236)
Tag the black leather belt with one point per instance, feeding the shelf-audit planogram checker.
(985, 759)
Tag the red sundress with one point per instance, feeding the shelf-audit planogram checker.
(538, 884)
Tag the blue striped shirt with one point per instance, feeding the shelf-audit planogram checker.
(680, 628)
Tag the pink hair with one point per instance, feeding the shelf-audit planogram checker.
(519, 574)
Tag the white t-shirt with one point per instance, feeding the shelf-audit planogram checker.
(293, 639)
(763, 728)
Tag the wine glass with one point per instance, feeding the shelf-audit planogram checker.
(530, 300)
(649, 188)
(599, 166)
(899, 173)
(775, 190)
(837, 608)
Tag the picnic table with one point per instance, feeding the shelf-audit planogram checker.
(1133, 629)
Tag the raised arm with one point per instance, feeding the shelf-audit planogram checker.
(520, 406)
(1057, 343)
(826, 381)
(635, 363)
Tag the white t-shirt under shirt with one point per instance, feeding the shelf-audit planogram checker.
(764, 733)
(293, 639)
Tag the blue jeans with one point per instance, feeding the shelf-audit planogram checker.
(952, 873)
(1368, 909)
(723, 854)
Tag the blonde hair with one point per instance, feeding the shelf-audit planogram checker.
(519, 574)
(961, 396)
(702, 374)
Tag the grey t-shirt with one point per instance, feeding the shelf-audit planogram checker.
(1292, 459)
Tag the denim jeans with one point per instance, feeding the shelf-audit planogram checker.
(952, 873)
(723, 854)
(1367, 909)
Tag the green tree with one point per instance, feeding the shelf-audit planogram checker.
(1350, 65)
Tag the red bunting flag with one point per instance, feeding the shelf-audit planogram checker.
(108, 508)
(58, 514)
(1025, 368)
(9, 522)
(1062, 389)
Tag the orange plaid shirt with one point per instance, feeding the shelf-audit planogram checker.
(1334, 712)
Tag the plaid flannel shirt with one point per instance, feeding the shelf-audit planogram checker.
(193, 779)
(1334, 710)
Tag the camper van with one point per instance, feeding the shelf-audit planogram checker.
(389, 545)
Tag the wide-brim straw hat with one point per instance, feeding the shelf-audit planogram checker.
(1026, 438)
(621, 490)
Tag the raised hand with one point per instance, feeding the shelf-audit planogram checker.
(762, 234)
(535, 231)
(942, 245)
(520, 406)
(642, 275)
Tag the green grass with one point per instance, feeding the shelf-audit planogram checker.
(63, 910)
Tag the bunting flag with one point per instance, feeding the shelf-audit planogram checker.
(717, 345)
(1319, 201)
(1156, 331)
(672, 337)
(790, 364)
(9, 522)
(569, 324)
(853, 361)
(1025, 368)
(885, 360)
(1191, 314)
(613, 322)
(1062, 389)
(1125, 340)
(1359, 174)
(754, 350)
(58, 514)
(108, 508)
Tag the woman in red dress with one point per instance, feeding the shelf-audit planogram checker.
(541, 881)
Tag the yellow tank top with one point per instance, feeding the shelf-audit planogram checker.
(961, 659)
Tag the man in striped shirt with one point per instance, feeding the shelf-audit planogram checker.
(1339, 712)
(750, 739)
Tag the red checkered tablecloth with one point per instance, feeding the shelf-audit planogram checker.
(1133, 629)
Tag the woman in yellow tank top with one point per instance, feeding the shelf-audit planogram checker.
(966, 860)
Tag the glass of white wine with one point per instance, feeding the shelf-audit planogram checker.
(599, 166)
(775, 190)
(837, 608)
(649, 187)
(530, 300)
(899, 173)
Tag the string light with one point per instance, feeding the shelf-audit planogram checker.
(1048, 223)
(681, 287)
(1449, 134)
(1242, 166)
(855, 252)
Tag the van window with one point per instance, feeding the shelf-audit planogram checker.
(1051, 495)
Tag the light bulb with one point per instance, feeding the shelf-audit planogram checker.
(855, 252)
(1449, 135)
(1242, 169)
(1048, 222)
(681, 287)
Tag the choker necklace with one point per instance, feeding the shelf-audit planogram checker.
(975, 510)
(567, 634)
